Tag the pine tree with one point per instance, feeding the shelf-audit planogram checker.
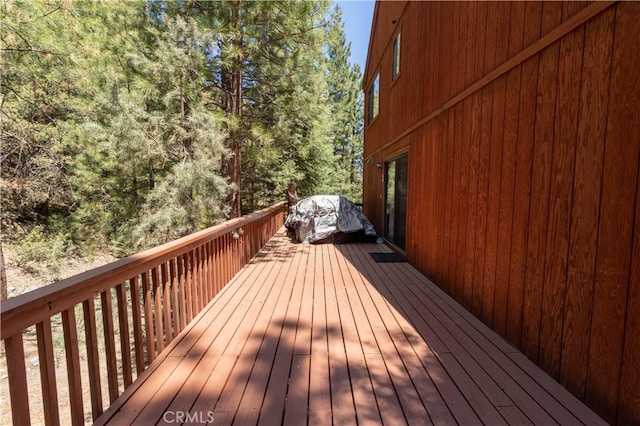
(347, 109)
(288, 109)
(136, 122)
(268, 77)
(36, 110)
(188, 189)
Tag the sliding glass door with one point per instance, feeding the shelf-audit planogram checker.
(395, 178)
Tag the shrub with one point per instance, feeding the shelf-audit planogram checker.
(38, 247)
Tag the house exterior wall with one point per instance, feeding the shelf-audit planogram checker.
(521, 121)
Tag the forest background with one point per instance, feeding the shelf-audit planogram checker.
(127, 124)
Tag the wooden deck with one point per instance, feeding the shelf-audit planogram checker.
(321, 334)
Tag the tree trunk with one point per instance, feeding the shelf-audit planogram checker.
(152, 176)
(252, 200)
(232, 83)
(236, 159)
(134, 191)
(4, 295)
(3, 275)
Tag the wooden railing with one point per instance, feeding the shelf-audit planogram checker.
(142, 302)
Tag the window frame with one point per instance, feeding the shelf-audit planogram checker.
(396, 57)
(373, 110)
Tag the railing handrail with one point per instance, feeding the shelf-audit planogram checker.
(25, 310)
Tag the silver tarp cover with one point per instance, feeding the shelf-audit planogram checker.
(321, 216)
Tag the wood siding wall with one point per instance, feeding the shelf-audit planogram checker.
(522, 124)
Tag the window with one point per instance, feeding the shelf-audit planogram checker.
(396, 58)
(374, 99)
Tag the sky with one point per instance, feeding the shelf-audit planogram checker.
(357, 16)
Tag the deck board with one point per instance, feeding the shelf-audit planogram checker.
(321, 334)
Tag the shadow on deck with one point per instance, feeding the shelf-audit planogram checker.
(321, 334)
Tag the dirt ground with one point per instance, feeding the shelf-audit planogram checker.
(21, 280)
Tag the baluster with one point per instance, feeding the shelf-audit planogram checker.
(222, 242)
(189, 285)
(222, 260)
(175, 296)
(264, 233)
(251, 240)
(227, 267)
(216, 265)
(148, 318)
(137, 324)
(123, 322)
(47, 372)
(227, 259)
(166, 302)
(197, 283)
(207, 273)
(184, 294)
(210, 269)
(157, 298)
(239, 257)
(73, 365)
(93, 360)
(202, 278)
(254, 239)
(195, 265)
(243, 250)
(236, 255)
(17, 380)
(215, 259)
(248, 243)
(233, 256)
(109, 344)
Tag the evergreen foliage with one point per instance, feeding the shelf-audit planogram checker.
(126, 124)
(347, 110)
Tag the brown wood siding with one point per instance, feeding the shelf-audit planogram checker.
(522, 123)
